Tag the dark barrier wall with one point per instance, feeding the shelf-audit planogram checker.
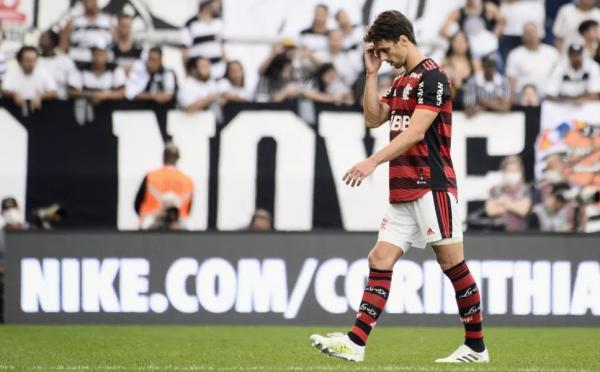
(77, 165)
(287, 278)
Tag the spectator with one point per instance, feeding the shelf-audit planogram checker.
(328, 87)
(261, 221)
(530, 64)
(58, 65)
(164, 199)
(352, 35)
(314, 38)
(277, 83)
(517, 14)
(481, 21)
(286, 47)
(150, 80)
(510, 201)
(82, 32)
(125, 50)
(529, 96)
(233, 85)
(487, 90)
(574, 80)
(347, 64)
(202, 37)
(459, 67)
(591, 39)
(28, 84)
(569, 18)
(12, 216)
(554, 213)
(199, 91)
(99, 80)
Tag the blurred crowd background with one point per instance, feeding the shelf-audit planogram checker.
(499, 55)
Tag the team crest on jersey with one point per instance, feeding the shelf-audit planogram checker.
(406, 92)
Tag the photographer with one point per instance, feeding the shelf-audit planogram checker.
(164, 199)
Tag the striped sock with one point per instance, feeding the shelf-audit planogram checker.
(373, 302)
(469, 304)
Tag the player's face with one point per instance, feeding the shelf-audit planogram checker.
(392, 52)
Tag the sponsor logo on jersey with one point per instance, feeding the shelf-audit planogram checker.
(439, 93)
(415, 75)
(420, 92)
(399, 122)
(405, 93)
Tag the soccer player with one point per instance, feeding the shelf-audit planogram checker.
(423, 195)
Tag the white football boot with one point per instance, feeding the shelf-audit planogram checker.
(465, 354)
(339, 345)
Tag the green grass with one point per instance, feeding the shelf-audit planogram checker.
(260, 348)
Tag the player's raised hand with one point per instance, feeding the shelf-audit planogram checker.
(372, 60)
(361, 170)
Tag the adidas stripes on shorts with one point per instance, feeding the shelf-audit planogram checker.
(433, 218)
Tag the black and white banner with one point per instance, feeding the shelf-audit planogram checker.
(287, 278)
(264, 155)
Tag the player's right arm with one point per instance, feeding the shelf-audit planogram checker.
(376, 113)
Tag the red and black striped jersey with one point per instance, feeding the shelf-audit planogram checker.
(427, 165)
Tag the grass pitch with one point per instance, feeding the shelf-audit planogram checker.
(259, 348)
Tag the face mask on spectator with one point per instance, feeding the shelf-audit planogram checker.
(12, 216)
(553, 176)
(511, 178)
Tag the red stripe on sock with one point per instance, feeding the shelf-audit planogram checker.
(478, 334)
(469, 301)
(366, 318)
(374, 300)
(360, 333)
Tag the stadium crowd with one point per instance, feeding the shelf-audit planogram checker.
(500, 54)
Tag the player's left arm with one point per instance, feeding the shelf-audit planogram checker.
(432, 94)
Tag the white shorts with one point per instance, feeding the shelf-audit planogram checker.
(433, 218)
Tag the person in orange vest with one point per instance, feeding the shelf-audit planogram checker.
(164, 198)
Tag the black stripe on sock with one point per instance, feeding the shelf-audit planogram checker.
(380, 278)
(473, 327)
(354, 338)
(453, 268)
(382, 271)
(367, 308)
(469, 310)
(457, 278)
(469, 291)
(364, 326)
(379, 291)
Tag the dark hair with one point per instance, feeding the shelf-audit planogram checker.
(156, 49)
(586, 25)
(390, 25)
(321, 71)
(276, 66)
(321, 5)
(24, 50)
(54, 38)
(450, 51)
(228, 67)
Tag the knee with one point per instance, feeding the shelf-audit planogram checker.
(447, 262)
(380, 260)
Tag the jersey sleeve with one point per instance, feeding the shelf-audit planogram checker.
(387, 97)
(433, 91)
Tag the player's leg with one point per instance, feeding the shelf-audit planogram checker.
(440, 224)
(351, 346)
(452, 261)
(396, 231)
(381, 263)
